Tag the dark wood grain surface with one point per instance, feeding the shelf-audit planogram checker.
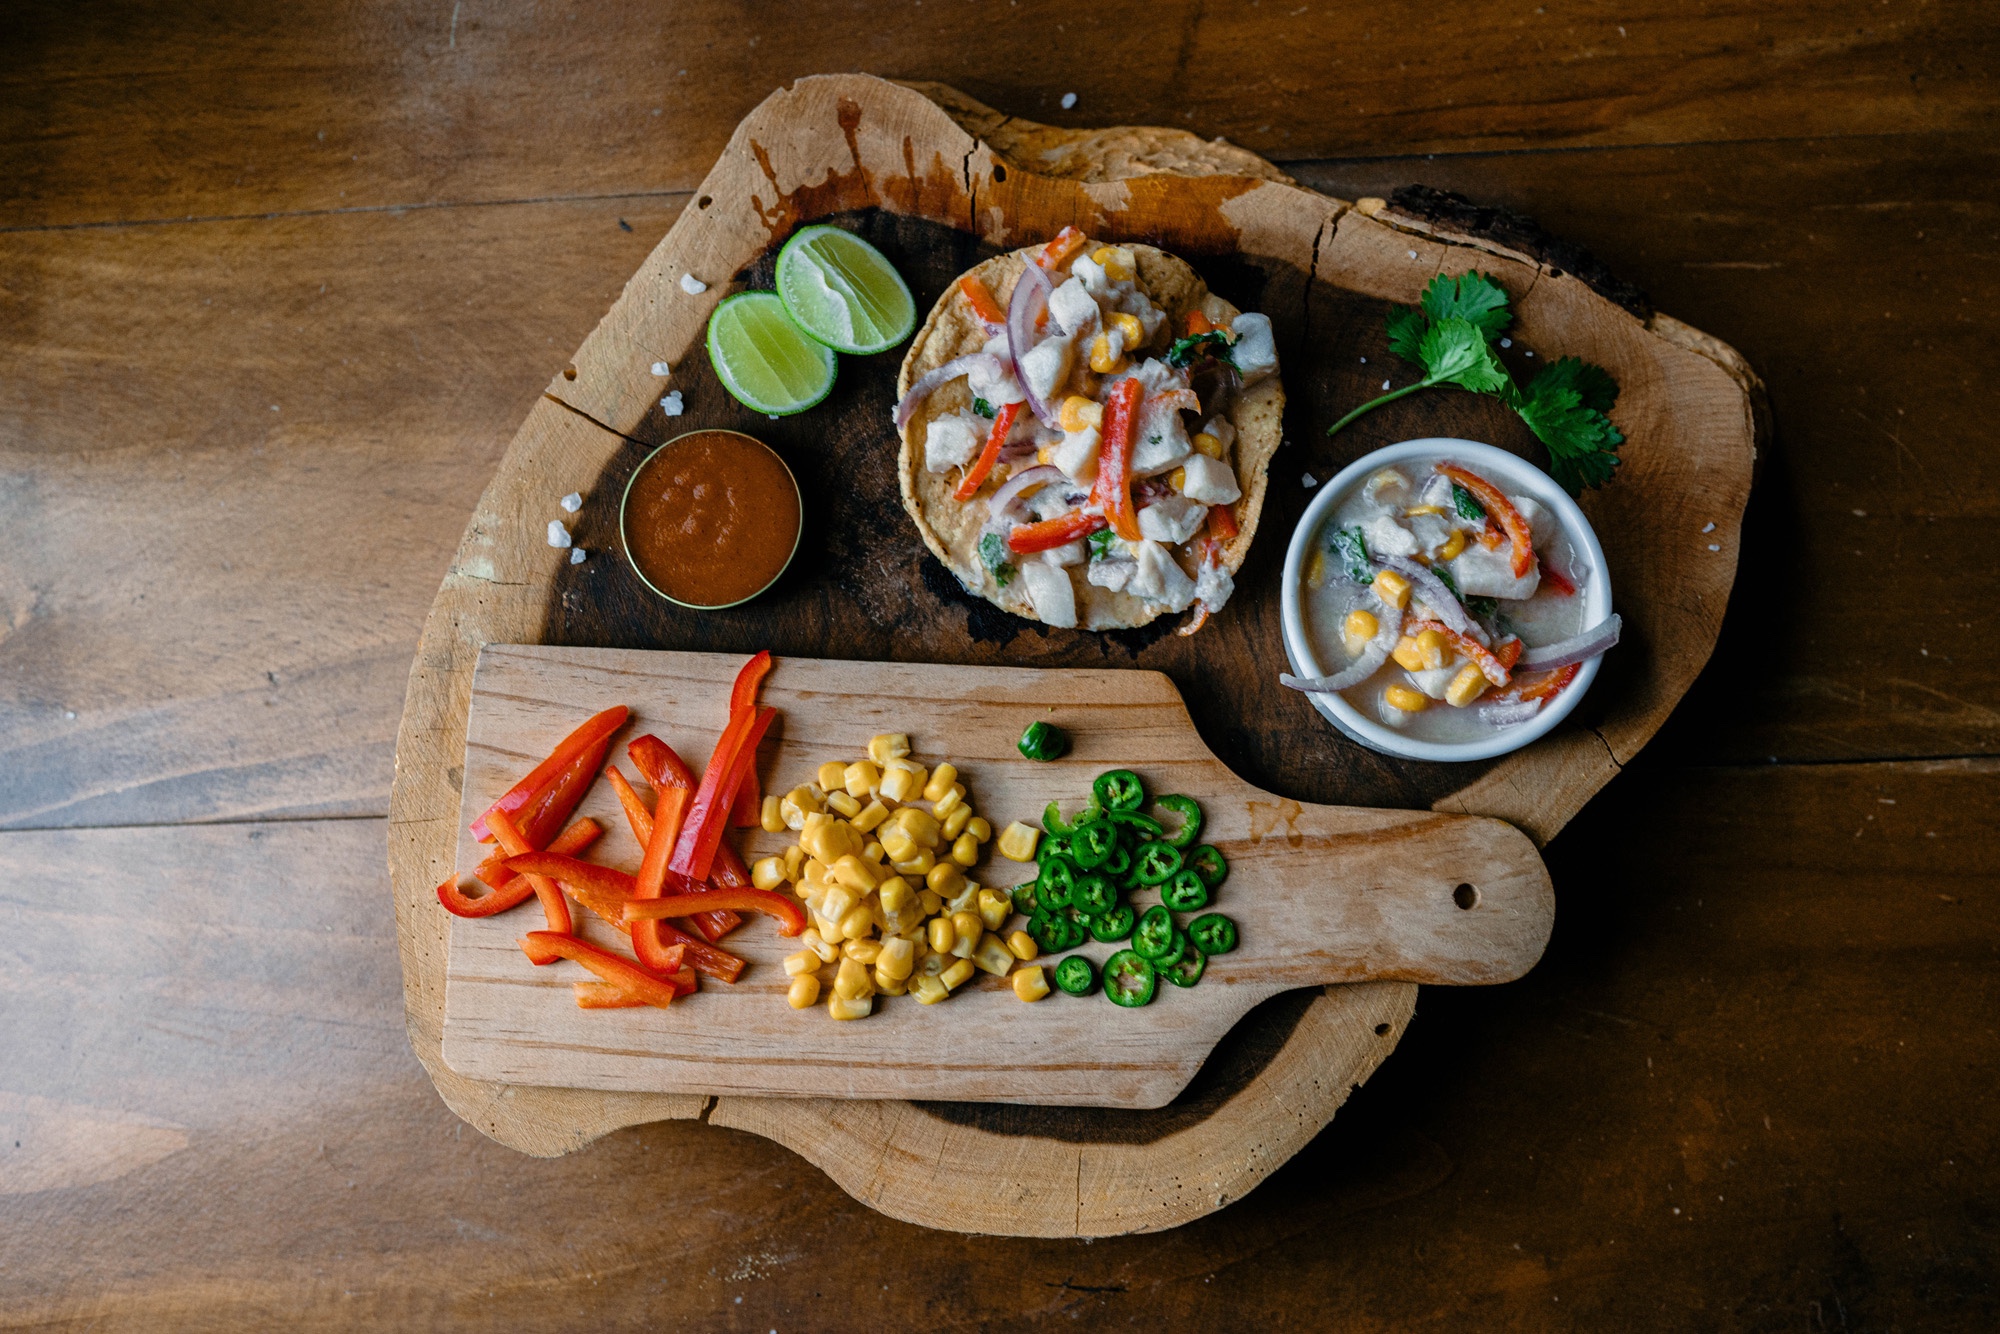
(258, 376)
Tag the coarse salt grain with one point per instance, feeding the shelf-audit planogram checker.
(1506, 342)
(576, 556)
(1412, 254)
(692, 285)
(1308, 480)
(1713, 547)
(661, 369)
(1364, 361)
(572, 502)
(1385, 384)
(1708, 528)
(1068, 101)
(672, 405)
(558, 535)
(1527, 354)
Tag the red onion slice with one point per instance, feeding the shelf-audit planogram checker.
(1510, 712)
(931, 381)
(1363, 667)
(1010, 490)
(1580, 649)
(1436, 596)
(1031, 298)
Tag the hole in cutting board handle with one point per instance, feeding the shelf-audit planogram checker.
(1465, 896)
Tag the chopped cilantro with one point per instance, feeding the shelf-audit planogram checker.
(1484, 608)
(1464, 502)
(1352, 549)
(1566, 405)
(993, 555)
(1214, 343)
(1445, 577)
(1105, 545)
(985, 409)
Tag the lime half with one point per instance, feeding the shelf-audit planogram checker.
(844, 292)
(764, 359)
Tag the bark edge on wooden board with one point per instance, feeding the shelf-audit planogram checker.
(839, 142)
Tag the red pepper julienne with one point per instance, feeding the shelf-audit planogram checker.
(1028, 538)
(597, 729)
(1113, 490)
(982, 468)
(545, 947)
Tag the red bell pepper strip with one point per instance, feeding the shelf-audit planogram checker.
(606, 891)
(608, 996)
(980, 297)
(982, 468)
(459, 904)
(1552, 684)
(1198, 324)
(749, 679)
(1222, 522)
(580, 835)
(1113, 490)
(1557, 581)
(597, 729)
(545, 947)
(637, 816)
(658, 764)
(1500, 508)
(1028, 538)
(695, 852)
(1489, 666)
(746, 810)
(555, 908)
(1066, 243)
(791, 917)
(1508, 651)
(648, 942)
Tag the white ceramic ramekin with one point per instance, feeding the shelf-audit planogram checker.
(1517, 477)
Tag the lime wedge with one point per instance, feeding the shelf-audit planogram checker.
(764, 359)
(844, 292)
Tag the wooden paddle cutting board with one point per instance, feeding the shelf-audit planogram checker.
(1320, 894)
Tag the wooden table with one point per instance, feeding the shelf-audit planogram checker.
(278, 284)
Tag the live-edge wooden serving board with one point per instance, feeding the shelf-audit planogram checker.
(1320, 894)
(942, 181)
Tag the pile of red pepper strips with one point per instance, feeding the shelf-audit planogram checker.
(691, 883)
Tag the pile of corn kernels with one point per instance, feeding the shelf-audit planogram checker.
(884, 881)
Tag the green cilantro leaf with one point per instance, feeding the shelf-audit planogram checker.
(1456, 352)
(1445, 577)
(1352, 549)
(1484, 608)
(1593, 384)
(1406, 333)
(1581, 440)
(993, 555)
(1476, 298)
(985, 409)
(1467, 506)
(1214, 343)
(1105, 545)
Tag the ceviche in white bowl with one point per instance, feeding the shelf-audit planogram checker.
(1445, 600)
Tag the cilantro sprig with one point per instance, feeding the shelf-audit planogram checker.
(1566, 405)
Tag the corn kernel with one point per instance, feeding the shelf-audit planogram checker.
(805, 961)
(1211, 445)
(861, 951)
(1079, 413)
(1017, 842)
(840, 1007)
(942, 935)
(896, 841)
(872, 852)
(1127, 324)
(1102, 359)
(861, 779)
(1407, 655)
(952, 801)
(1177, 479)
(1452, 545)
(941, 780)
(947, 879)
(839, 901)
(1393, 589)
(1316, 569)
(1119, 263)
(954, 977)
(967, 928)
(1406, 699)
(843, 804)
(804, 992)
(795, 861)
(1355, 632)
(1428, 509)
(956, 821)
(804, 798)
(886, 985)
(886, 746)
(1431, 647)
(1468, 685)
(770, 817)
(898, 958)
(870, 816)
(817, 946)
(896, 894)
(852, 981)
(979, 827)
(994, 908)
(857, 922)
(918, 865)
(929, 990)
(1023, 946)
(965, 850)
(768, 872)
(1031, 984)
(991, 955)
(920, 825)
(817, 875)
(900, 782)
(929, 901)
(831, 775)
